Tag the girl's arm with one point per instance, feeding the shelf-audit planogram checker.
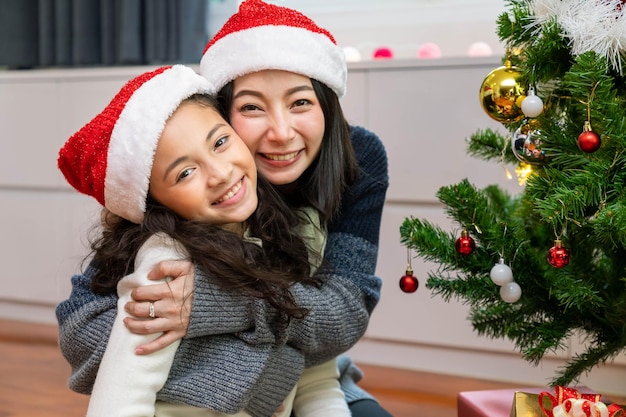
(126, 384)
(318, 393)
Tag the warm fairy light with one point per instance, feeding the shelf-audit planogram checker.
(522, 171)
(507, 173)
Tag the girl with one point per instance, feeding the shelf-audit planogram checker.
(178, 183)
(260, 38)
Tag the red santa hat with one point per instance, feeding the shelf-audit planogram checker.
(263, 36)
(110, 158)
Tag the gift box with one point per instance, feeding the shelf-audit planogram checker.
(491, 403)
(526, 405)
(535, 402)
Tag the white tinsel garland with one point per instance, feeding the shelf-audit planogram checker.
(589, 25)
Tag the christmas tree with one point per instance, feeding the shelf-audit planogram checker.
(550, 262)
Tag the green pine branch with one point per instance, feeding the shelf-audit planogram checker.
(571, 195)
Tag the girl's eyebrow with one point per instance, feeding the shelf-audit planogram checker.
(209, 135)
(212, 131)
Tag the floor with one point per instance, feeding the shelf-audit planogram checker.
(34, 381)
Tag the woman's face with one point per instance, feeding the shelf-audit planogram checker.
(202, 170)
(279, 117)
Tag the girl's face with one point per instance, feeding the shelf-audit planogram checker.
(202, 170)
(279, 117)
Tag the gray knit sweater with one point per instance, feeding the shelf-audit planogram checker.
(232, 357)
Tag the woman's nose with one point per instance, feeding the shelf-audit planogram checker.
(281, 129)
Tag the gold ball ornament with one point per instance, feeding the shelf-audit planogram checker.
(501, 94)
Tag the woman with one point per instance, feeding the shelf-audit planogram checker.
(349, 201)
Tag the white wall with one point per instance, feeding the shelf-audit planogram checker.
(402, 25)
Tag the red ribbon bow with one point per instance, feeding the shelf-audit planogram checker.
(568, 402)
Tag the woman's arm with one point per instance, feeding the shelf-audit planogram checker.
(339, 310)
(85, 320)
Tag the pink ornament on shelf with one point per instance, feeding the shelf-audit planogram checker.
(383, 53)
(429, 50)
(479, 49)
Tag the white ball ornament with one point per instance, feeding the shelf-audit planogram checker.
(501, 273)
(352, 54)
(510, 292)
(532, 106)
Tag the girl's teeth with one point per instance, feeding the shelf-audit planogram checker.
(230, 193)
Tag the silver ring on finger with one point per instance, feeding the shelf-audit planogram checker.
(152, 313)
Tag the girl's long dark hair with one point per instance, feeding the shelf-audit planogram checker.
(324, 183)
(244, 267)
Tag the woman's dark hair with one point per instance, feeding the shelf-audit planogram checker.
(323, 184)
(264, 271)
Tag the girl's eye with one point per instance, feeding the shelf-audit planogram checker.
(187, 172)
(221, 142)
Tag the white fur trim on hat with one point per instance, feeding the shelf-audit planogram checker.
(136, 134)
(285, 48)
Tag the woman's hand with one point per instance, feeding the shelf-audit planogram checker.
(281, 408)
(162, 307)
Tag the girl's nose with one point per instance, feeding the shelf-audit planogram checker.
(219, 173)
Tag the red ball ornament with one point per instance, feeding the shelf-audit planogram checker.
(558, 255)
(589, 141)
(408, 282)
(465, 245)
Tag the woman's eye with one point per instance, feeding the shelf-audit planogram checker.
(301, 102)
(187, 172)
(248, 107)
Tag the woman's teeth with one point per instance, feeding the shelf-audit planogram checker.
(284, 157)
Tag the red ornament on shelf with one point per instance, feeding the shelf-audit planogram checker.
(558, 255)
(465, 245)
(383, 53)
(408, 282)
(589, 141)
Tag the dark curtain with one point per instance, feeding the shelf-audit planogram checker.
(71, 33)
